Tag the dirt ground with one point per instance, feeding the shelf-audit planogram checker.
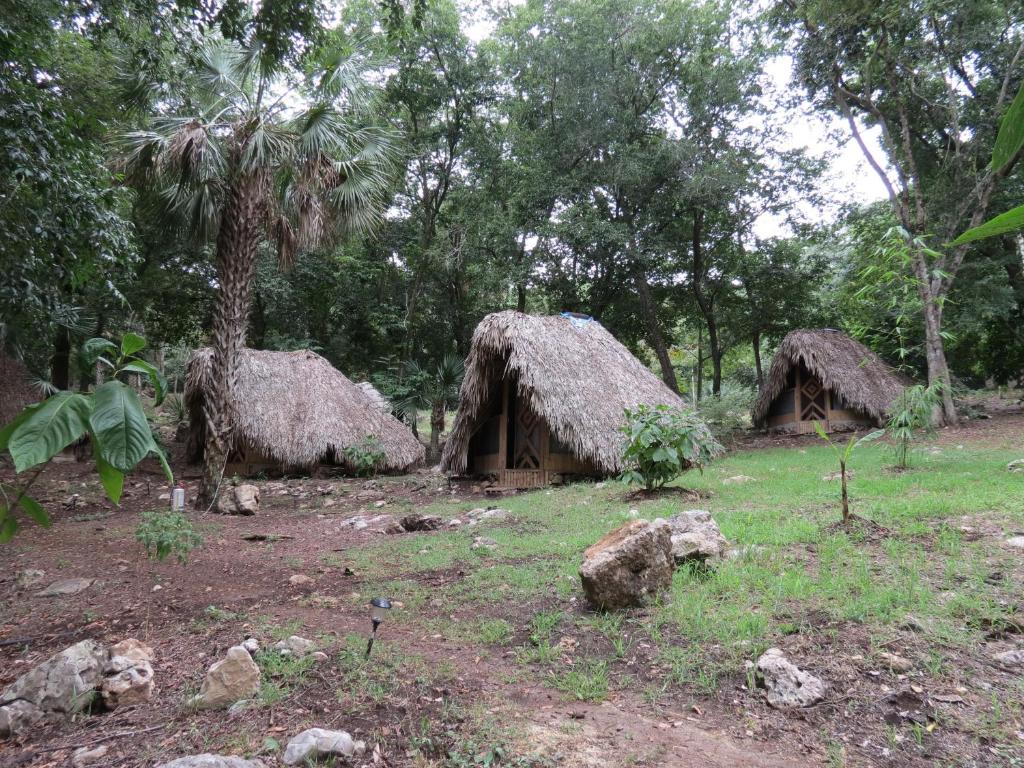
(167, 606)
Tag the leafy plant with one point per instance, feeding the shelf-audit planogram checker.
(167, 533)
(727, 412)
(175, 406)
(843, 454)
(111, 417)
(365, 456)
(664, 442)
(435, 389)
(912, 413)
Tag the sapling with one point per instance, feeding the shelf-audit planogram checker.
(843, 454)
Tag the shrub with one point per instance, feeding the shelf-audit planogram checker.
(728, 412)
(365, 456)
(662, 443)
(165, 533)
(911, 414)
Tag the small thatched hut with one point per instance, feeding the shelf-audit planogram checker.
(15, 388)
(825, 376)
(543, 398)
(295, 410)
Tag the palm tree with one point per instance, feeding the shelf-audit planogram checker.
(435, 389)
(244, 153)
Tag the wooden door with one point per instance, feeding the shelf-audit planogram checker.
(530, 437)
(813, 401)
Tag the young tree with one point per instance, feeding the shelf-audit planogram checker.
(243, 151)
(936, 94)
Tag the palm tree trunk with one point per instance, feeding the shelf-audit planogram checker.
(237, 247)
(436, 428)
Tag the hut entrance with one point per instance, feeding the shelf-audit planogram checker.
(813, 401)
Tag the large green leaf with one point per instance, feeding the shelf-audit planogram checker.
(8, 525)
(119, 425)
(150, 372)
(111, 478)
(1010, 138)
(93, 348)
(131, 343)
(1010, 221)
(48, 429)
(34, 510)
(13, 424)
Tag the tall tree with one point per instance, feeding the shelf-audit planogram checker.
(935, 93)
(244, 151)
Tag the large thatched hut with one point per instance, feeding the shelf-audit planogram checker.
(296, 411)
(543, 398)
(825, 376)
(16, 390)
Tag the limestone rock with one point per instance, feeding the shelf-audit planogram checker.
(29, 578)
(421, 522)
(382, 523)
(1017, 542)
(66, 587)
(785, 684)
(1011, 659)
(128, 674)
(629, 566)
(317, 742)
(299, 646)
(229, 680)
(84, 756)
(738, 480)
(299, 579)
(480, 513)
(65, 683)
(895, 662)
(212, 761)
(1017, 465)
(483, 542)
(240, 500)
(696, 537)
(252, 645)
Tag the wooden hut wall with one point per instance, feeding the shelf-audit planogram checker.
(806, 400)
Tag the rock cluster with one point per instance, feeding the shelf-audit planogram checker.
(73, 679)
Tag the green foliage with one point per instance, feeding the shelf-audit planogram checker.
(843, 455)
(910, 414)
(727, 412)
(662, 443)
(365, 456)
(167, 533)
(111, 418)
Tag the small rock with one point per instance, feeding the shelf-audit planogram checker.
(1010, 659)
(156, 588)
(696, 537)
(1017, 465)
(29, 578)
(481, 513)
(1017, 542)
(66, 587)
(895, 662)
(84, 756)
(737, 480)
(454, 522)
(318, 742)
(298, 579)
(785, 684)
(252, 645)
(628, 567)
(213, 761)
(420, 522)
(239, 707)
(482, 542)
(240, 500)
(379, 504)
(300, 646)
(913, 624)
(229, 680)
(320, 656)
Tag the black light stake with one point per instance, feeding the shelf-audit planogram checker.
(379, 608)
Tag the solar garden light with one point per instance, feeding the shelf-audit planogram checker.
(379, 608)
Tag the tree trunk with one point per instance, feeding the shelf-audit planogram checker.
(521, 297)
(60, 363)
(715, 347)
(935, 353)
(436, 428)
(758, 371)
(655, 336)
(700, 364)
(237, 246)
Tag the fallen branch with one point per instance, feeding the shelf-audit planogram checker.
(101, 739)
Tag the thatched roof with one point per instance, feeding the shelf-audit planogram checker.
(15, 388)
(375, 396)
(572, 372)
(297, 408)
(844, 365)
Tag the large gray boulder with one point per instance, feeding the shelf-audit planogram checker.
(696, 537)
(314, 743)
(64, 683)
(240, 500)
(212, 761)
(628, 567)
(231, 679)
(785, 684)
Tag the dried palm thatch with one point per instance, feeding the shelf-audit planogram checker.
(297, 409)
(375, 396)
(572, 372)
(15, 388)
(842, 364)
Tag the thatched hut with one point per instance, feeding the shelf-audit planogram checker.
(543, 398)
(825, 376)
(16, 390)
(295, 410)
(375, 395)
